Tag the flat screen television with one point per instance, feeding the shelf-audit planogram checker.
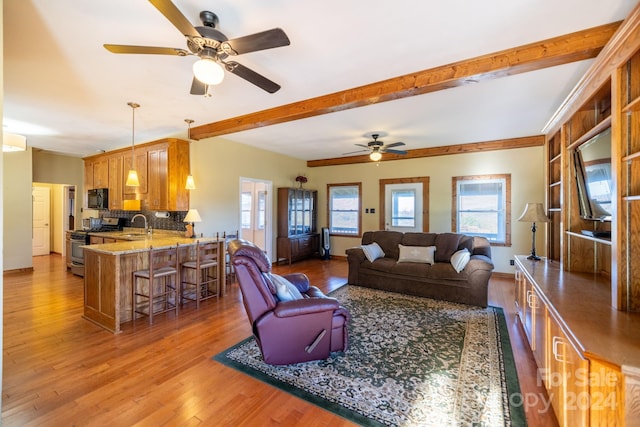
(593, 177)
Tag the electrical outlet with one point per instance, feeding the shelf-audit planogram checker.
(512, 262)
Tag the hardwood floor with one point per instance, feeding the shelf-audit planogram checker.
(62, 370)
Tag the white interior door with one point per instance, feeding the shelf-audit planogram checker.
(41, 244)
(403, 207)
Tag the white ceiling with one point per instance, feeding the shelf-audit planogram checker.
(68, 94)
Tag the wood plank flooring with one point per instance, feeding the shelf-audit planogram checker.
(62, 370)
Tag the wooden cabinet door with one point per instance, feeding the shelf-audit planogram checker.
(88, 176)
(95, 240)
(520, 293)
(101, 173)
(538, 327)
(140, 158)
(115, 182)
(567, 376)
(158, 191)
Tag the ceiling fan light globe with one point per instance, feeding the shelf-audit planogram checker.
(208, 71)
(375, 156)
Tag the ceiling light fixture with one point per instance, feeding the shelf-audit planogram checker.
(13, 142)
(375, 155)
(207, 70)
(190, 185)
(132, 177)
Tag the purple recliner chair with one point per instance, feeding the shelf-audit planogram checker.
(304, 329)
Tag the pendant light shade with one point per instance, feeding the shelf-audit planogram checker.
(132, 176)
(190, 185)
(13, 142)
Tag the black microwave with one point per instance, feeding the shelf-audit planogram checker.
(98, 198)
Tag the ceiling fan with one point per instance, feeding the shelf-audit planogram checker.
(376, 148)
(212, 47)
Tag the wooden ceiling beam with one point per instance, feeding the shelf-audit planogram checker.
(530, 57)
(500, 144)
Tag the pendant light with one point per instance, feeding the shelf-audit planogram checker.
(132, 177)
(191, 185)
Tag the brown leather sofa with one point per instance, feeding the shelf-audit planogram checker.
(438, 280)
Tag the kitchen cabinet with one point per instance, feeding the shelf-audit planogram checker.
(158, 194)
(162, 168)
(101, 173)
(115, 182)
(297, 216)
(141, 167)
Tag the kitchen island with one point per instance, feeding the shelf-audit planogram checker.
(109, 268)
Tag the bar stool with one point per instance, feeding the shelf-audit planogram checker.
(160, 293)
(204, 273)
(230, 272)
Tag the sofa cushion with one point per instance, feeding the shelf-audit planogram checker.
(420, 254)
(460, 259)
(419, 239)
(446, 245)
(372, 251)
(381, 264)
(411, 269)
(388, 241)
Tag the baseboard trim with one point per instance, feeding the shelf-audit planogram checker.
(18, 271)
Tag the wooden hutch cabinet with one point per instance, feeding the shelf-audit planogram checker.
(297, 218)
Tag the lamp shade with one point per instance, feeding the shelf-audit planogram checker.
(192, 216)
(533, 212)
(375, 156)
(13, 142)
(208, 71)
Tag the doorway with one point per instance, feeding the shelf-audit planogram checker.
(256, 213)
(404, 204)
(53, 207)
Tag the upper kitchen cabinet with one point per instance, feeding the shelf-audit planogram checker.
(162, 168)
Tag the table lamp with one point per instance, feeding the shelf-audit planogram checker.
(533, 212)
(192, 217)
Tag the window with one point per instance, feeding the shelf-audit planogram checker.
(261, 212)
(481, 207)
(403, 208)
(344, 209)
(246, 201)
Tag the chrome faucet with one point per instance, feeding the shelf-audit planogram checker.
(145, 221)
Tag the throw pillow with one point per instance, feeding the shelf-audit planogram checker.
(460, 259)
(285, 290)
(422, 254)
(372, 251)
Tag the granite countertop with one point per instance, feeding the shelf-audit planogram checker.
(135, 241)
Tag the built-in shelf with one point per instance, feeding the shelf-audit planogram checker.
(593, 239)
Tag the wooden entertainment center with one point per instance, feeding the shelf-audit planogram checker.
(580, 306)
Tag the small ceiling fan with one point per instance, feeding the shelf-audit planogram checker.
(376, 148)
(212, 47)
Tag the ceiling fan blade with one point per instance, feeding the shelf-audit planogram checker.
(353, 152)
(254, 42)
(395, 144)
(393, 151)
(173, 14)
(251, 76)
(120, 48)
(362, 145)
(198, 88)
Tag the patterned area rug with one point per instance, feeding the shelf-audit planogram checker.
(411, 362)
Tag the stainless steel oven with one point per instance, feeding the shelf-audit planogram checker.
(78, 239)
